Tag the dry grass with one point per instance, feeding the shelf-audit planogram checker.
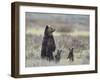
(64, 41)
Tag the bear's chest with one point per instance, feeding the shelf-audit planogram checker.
(50, 42)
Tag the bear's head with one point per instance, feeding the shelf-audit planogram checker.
(49, 30)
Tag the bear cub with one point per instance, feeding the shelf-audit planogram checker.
(71, 55)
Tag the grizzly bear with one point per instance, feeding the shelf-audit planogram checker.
(48, 44)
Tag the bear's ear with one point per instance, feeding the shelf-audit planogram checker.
(46, 27)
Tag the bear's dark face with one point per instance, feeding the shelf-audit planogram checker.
(49, 30)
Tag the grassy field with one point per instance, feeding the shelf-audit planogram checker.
(79, 40)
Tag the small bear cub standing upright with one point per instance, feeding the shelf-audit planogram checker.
(58, 55)
(48, 44)
(71, 55)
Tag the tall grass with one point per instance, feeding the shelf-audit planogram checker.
(64, 40)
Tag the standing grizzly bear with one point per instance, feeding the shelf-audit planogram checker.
(48, 44)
